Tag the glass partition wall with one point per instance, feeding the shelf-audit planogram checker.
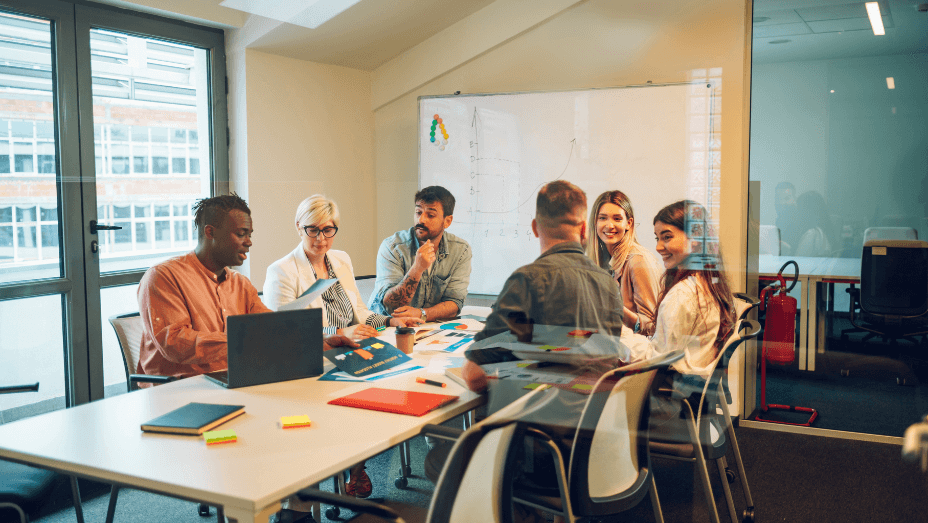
(839, 156)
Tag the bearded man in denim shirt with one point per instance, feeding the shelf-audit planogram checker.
(423, 272)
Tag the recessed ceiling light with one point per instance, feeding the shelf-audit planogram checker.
(890, 82)
(779, 41)
(832, 90)
(876, 21)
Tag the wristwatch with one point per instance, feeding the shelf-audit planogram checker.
(424, 315)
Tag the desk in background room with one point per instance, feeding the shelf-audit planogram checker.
(817, 277)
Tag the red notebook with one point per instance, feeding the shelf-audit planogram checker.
(396, 401)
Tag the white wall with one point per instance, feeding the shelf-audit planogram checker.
(300, 128)
(862, 147)
(589, 44)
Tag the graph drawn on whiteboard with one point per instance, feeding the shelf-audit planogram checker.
(651, 142)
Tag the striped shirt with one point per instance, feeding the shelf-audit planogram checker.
(338, 311)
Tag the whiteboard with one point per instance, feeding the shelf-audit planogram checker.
(653, 142)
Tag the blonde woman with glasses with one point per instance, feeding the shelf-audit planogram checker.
(615, 248)
(344, 312)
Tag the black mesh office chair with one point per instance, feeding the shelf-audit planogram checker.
(893, 296)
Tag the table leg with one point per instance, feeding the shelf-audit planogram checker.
(238, 515)
(803, 323)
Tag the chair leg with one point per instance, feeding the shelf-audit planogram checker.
(76, 494)
(748, 500)
(722, 464)
(111, 508)
(656, 502)
(701, 467)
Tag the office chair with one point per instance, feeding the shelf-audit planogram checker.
(893, 293)
(768, 240)
(609, 467)
(701, 433)
(128, 329)
(23, 486)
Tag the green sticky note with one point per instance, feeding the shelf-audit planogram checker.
(547, 347)
(219, 436)
(582, 386)
(522, 364)
(532, 386)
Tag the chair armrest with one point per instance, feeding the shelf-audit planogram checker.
(441, 432)
(355, 504)
(148, 378)
(13, 389)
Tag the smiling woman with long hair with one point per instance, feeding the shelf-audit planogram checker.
(614, 246)
(695, 309)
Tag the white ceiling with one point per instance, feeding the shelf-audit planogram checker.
(373, 32)
(801, 30)
(365, 36)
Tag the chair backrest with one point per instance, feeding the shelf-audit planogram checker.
(609, 462)
(744, 304)
(894, 278)
(476, 481)
(768, 240)
(890, 233)
(713, 391)
(128, 329)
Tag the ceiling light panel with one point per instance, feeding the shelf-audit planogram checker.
(305, 13)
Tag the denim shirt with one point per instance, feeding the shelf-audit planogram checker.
(562, 287)
(446, 280)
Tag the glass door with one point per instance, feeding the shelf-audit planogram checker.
(148, 138)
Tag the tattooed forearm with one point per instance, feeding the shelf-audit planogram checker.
(400, 295)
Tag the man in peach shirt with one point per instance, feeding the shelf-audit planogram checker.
(184, 301)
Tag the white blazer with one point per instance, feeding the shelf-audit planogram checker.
(290, 276)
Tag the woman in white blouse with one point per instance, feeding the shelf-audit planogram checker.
(344, 312)
(695, 309)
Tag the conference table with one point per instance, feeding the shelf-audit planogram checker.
(817, 276)
(102, 440)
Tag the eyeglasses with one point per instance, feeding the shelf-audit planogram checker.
(313, 232)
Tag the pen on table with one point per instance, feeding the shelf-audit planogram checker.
(431, 382)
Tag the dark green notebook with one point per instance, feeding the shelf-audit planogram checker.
(194, 418)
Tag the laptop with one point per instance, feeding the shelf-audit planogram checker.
(271, 346)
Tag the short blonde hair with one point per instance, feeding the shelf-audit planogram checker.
(316, 210)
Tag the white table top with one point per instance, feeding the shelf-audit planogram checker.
(102, 440)
(814, 268)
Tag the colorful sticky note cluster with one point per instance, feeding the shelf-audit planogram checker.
(293, 422)
(215, 437)
(438, 135)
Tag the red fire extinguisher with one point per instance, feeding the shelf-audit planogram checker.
(779, 339)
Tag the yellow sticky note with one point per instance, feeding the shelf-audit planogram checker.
(215, 437)
(582, 386)
(532, 386)
(292, 422)
(522, 364)
(546, 347)
(377, 345)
